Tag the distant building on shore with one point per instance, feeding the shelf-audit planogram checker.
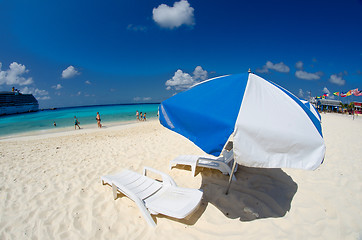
(329, 105)
(358, 107)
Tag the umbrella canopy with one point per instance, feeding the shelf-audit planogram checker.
(311, 108)
(271, 127)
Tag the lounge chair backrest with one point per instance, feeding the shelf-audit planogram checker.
(141, 186)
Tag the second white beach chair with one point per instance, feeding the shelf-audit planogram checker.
(223, 163)
(155, 197)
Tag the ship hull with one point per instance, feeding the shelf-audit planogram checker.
(5, 110)
(15, 102)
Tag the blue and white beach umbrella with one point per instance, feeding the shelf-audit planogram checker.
(311, 108)
(270, 126)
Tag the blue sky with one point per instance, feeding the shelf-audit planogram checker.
(71, 53)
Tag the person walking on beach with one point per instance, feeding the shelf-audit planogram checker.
(140, 116)
(144, 117)
(137, 115)
(98, 118)
(76, 123)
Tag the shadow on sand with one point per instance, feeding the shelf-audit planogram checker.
(257, 193)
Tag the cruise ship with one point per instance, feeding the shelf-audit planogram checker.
(16, 102)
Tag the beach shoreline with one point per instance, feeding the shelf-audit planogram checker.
(62, 119)
(57, 131)
(51, 188)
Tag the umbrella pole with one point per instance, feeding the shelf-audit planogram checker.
(230, 178)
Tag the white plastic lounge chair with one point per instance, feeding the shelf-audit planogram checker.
(224, 163)
(155, 197)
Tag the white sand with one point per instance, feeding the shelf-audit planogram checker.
(50, 188)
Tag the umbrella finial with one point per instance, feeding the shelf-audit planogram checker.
(249, 71)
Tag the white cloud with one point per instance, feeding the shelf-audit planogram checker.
(57, 87)
(334, 78)
(262, 70)
(138, 99)
(69, 72)
(79, 93)
(136, 28)
(200, 73)
(88, 82)
(13, 76)
(172, 17)
(299, 65)
(308, 76)
(301, 93)
(325, 90)
(182, 81)
(279, 67)
(38, 93)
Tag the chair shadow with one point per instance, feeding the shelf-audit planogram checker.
(258, 192)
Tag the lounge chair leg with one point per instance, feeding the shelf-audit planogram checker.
(193, 169)
(146, 214)
(114, 188)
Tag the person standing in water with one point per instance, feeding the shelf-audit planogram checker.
(137, 115)
(98, 118)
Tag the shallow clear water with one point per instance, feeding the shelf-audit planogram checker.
(64, 117)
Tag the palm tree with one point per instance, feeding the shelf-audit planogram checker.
(343, 106)
(351, 108)
(351, 105)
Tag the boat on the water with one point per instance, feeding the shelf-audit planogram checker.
(16, 102)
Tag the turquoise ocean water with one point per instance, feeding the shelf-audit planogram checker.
(64, 117)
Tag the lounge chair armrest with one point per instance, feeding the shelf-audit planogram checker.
(166, 179)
